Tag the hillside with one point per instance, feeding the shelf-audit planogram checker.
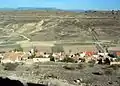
(46, 25)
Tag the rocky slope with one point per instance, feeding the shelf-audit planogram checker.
(58, 75)
(57, 25)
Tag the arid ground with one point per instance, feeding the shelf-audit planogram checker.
(64, 74)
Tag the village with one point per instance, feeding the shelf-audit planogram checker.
(35, 55)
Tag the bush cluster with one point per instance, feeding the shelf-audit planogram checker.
(67, 59)
(69, 67)
(80, 66)
(10, 66)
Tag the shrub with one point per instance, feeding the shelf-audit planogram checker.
(108, 71)
(31, 57)
(67, 59)
(50, 76)
(37, 72)
(114, 66)
(10, 66)
(80, 66)
(97, 73)
(68, 67)
(27, 69)
(118, 59)
(39, 56)
(36, 66)
(51, 57)
(91, 63)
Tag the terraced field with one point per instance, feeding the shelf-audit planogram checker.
(35, 25)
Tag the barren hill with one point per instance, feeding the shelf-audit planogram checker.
(48, 25)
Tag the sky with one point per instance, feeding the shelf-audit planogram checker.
(63, 4)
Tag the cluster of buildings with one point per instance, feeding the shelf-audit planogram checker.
(88, 52)
(14, 56)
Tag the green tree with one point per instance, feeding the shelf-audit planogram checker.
(51, 58)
